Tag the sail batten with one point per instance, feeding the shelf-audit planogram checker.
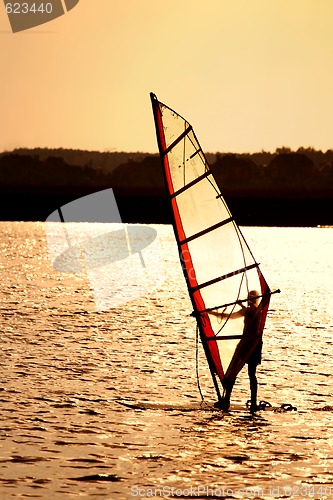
(225, 337)
(218, 265)
(225, 276)
(195, 153)
(207, 230)
(176, 141)
(191, 184)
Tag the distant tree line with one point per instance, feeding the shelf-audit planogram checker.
(305, 172)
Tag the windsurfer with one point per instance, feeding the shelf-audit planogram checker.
(252, 316)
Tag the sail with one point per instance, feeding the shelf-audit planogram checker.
(218, 265)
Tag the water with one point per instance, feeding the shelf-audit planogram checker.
(64, 364)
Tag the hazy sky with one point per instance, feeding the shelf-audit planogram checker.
(247, 74)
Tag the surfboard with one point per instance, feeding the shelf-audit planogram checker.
(200, 406)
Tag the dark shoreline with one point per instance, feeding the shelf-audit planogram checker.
(284, 188)
(154, 209)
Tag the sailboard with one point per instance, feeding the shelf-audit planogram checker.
(203, 406)
(218, 265)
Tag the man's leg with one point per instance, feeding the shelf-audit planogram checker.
(253, 386)
(224, 403)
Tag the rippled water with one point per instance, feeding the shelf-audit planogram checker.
(64, 365)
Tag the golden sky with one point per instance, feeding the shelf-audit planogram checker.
(248, 75)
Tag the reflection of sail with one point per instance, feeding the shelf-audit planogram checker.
(218, 265)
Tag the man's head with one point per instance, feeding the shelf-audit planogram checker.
(253, 298)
